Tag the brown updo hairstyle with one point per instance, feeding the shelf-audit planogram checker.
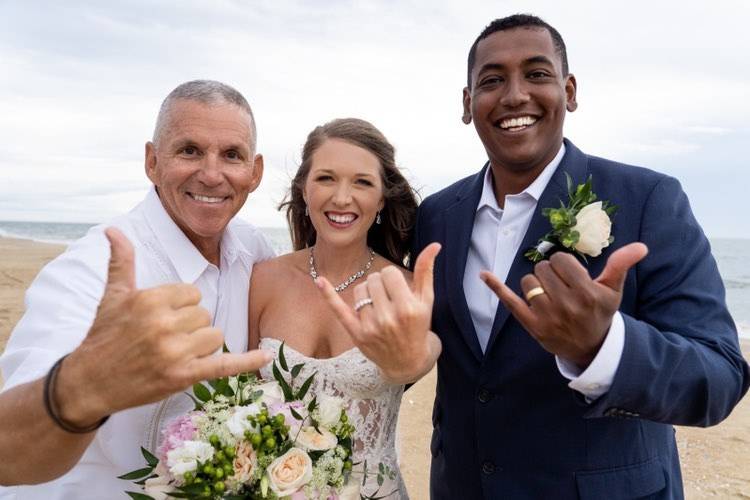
(390, 238)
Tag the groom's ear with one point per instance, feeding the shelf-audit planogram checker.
(466, 117)
(571, 87)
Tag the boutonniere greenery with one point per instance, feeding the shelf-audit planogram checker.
(583, 226)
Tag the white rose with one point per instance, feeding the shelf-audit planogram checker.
(593, 226)
(289, 472)
(272, 393)
(186, 457)
(157, 487)
(329, 410)
(312, 440)
(238, 422)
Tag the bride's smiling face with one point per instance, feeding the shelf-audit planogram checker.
(343, 191)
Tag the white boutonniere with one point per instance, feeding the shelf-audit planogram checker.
(583, 226)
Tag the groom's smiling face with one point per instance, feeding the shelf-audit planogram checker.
(518, 99)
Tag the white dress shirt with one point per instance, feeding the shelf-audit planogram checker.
(495, 239)
(60, 307)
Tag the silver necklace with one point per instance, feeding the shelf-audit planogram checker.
(351, 279)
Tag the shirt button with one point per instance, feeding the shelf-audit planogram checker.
(484, 395)
(488, 468)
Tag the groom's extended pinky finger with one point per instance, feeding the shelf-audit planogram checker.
(515, 304)
(344, 313)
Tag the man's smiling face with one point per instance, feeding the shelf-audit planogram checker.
(204, 166)
(518, 98)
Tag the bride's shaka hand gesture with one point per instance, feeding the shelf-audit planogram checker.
(390, 321)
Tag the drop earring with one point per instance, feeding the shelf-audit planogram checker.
(377, 218)
(307, 212)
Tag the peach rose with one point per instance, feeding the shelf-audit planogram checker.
(289, 472)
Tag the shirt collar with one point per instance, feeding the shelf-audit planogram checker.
(535, 189)
(186, 259)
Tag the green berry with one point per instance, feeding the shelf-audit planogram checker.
(219, 487)
(255, 440)
(208, 469)
(348, 465)
(270, 443)
(220, 456)
(262, 419)
(214, 440)
(219, 473)
(230, 451)
(279, 419)
(267, 430)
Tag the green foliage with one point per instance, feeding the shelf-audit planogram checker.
(563, 220)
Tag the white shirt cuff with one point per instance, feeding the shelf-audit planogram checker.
(597, 378)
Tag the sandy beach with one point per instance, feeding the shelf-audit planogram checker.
(715, 461)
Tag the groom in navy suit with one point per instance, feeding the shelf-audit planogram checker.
(563, 379)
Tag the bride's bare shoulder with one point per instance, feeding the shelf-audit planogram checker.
(279, 268)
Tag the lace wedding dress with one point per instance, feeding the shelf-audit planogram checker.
(371, 403)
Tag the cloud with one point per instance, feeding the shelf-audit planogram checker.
(658, 84)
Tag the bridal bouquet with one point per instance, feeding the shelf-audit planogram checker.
(250, 438)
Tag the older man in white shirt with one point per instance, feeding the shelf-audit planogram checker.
(119, 329)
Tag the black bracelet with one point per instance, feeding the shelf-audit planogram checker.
(49, 387)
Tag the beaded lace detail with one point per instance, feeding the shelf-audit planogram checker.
(371, 403)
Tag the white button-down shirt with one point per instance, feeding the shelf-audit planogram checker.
(495, 239)
(60, 308)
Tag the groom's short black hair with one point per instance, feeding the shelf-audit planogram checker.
(518, 21)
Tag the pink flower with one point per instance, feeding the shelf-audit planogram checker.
(177, 431)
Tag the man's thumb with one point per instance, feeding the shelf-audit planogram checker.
(618, 264)
(121, 275)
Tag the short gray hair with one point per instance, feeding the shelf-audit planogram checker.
(208, 92)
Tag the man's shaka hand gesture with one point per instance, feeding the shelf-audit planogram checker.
(565, 310)
(143, 346)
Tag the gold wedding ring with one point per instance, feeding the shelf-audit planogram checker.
(362, 303)
(537, 290)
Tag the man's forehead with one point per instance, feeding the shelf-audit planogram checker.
(515, 45)
(220, 122)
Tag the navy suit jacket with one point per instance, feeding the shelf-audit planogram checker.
(505, 423)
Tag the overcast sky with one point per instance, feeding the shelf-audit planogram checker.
(660, 84)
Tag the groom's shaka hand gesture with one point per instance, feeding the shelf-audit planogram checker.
(390, 322)
(143, 346)
(565, 310)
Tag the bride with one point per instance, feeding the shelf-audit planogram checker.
(350, 213)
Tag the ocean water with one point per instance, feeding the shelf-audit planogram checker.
(732, 256)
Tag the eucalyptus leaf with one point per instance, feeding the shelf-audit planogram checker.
(288, 395)
(313, 403)
(150, 458)
(282, 358)
(297, 368)
(201, 392)
(136, 474)
(138, 496)
(305, 386)
(295, 414)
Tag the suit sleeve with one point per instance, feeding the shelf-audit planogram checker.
(681, 361)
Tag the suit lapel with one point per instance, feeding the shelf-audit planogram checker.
(575, 164)
(459, 219)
